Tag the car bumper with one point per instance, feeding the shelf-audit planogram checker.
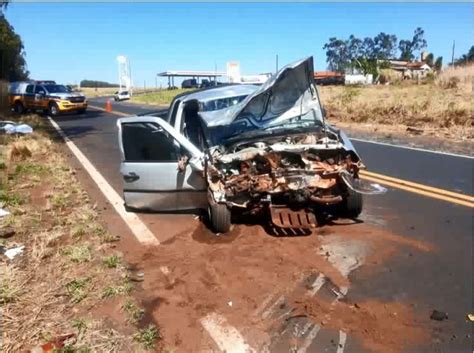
(65, 106)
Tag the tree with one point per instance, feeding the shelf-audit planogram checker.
(368, 48)
(438, 65)
(418, 43)
(404, 46)
(337, 54)
(429, 59)
(466, 58)
(409, 49)
(12, 54)
(384, 46)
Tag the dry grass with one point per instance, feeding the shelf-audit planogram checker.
(162, 97)
(50, 289)
(108, 91)
(445, 102)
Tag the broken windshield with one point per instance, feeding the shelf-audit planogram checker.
(243, 128)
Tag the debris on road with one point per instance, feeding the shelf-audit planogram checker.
(438, 315)
(3, 212)
(10, 127)
(470, 317)
(13, 252)
(138, 276)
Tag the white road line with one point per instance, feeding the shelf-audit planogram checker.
(317, 284)
(138, 228)
(266, 314)
(413, 148)
(342, 342)
(226, 337)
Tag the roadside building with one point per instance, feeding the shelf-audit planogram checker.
(410, 69)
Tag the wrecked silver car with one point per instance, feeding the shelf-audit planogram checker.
(244, 148)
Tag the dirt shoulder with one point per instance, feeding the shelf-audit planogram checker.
(69, 288)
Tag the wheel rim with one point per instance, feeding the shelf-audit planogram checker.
(54, 110)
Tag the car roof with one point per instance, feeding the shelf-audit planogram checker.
(219, 92)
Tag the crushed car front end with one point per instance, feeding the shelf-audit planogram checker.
(275, 152)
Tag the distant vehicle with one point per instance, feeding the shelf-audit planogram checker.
(205, 83)
(190, 83)
(46, 96)
(121, 95)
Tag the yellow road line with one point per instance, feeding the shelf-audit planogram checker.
(419, 191)
(419, 186)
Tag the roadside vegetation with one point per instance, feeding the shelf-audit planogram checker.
(161, 97)
(442, 104)
(59, 289)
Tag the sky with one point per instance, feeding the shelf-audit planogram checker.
(68, 42)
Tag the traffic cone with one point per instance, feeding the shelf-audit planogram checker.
(108, 106)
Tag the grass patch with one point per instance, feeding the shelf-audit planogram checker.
(162, 97)
(78, 289)
(78, 231)
(78, 253)
(125, 288)
(147, 336)
(134, 312)
(28, 168)
(60, 201)
(10, 289)
(111, 261)
(8, 198)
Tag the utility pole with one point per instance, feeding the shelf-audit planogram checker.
(276, 64)
(452, 56)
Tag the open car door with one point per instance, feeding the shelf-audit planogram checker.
(153, 177)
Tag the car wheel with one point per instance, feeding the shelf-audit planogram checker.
(352, 205)
(19, 108)
(53, 109)
(219, 217)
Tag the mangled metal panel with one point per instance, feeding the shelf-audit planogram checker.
(289, 93)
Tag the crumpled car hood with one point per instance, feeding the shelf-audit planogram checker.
(289, 93)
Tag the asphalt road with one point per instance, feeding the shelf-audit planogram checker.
(440, 279)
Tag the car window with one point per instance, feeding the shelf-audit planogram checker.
(124, 93)
(175, 107)
(39, 90)
(56, 89)
(221, 103)
(147, 142)
(29, 89)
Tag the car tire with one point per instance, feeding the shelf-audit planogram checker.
(19, 108)
(53, 109)
(352, 204)
(219, 217)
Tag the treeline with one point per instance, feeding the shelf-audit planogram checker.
(97, 84)
(467, 58)
(369, 54)
(12, 53)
